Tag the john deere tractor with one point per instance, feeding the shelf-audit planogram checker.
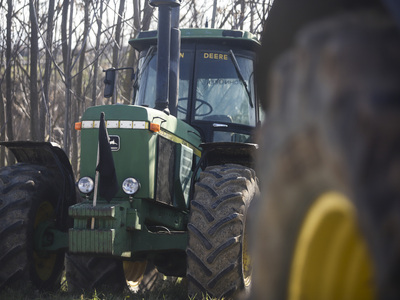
(164, 182)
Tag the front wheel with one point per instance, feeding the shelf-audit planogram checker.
(218, 260)
(87, 274)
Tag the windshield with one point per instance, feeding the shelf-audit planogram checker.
(147, 89)
(221, 94)
(217, 86)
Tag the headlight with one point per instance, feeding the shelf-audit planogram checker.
(130, 186)
(85, 185)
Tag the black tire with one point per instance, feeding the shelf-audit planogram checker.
(217, 248)
(87, 274)
(333, 126)
(152, 280)
(28, 196)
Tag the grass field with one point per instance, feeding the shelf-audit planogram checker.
(168, 291)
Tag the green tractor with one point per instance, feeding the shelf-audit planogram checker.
(166, 182)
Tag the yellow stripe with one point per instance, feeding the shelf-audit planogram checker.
(178, 140)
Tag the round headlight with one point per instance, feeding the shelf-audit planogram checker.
(85, 185)
(130, 186)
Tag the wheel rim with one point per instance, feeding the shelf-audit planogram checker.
(331, 259)
(44, 262)
(134, 271)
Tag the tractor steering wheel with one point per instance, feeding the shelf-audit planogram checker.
(199, 103)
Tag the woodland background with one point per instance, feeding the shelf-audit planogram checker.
(53, 53)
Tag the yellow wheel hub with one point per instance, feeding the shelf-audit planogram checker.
(134, 272)
(331, 259)
(246, 260)
(44, 262)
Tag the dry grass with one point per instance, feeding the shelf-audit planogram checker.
(170, 291)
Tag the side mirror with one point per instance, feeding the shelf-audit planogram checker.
(109, 82)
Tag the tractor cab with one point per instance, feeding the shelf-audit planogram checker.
(216, 81)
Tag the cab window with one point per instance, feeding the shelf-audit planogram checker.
(220, 93)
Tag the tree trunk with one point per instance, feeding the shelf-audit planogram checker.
(97, 53)
(195, 22)
(80, 97)
(117, 45)
(242, 9)
(64, 21)
(44, 109)
(34, 97)
(2, 113)
(66, 49)
(252, 16)
(9, 83)
(147, 14)
(214, 14)
(2, 123)
(126, 89)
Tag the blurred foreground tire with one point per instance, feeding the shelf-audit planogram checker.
(329, 165)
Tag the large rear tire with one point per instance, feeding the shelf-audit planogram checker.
(329, 221)
(28, 197)
(218, 260)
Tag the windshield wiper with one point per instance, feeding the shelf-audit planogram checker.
(240, 76)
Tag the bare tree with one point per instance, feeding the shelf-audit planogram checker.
(117, 41)
(126, 88)
(214, 14)
(241, 14)
(2, 104)
(68, 7)
(79, 93)
(65, 55)
(97, 52)
(147, 15)
(9, 85)
(141, 21)
(44, 109)
(2, 121)
(34, 97)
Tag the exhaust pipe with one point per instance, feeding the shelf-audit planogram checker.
(167, 59)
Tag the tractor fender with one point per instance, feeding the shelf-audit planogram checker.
(220, 153)
(228, 152)
(51, 156)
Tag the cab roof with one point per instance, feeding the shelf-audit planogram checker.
(207, 35)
